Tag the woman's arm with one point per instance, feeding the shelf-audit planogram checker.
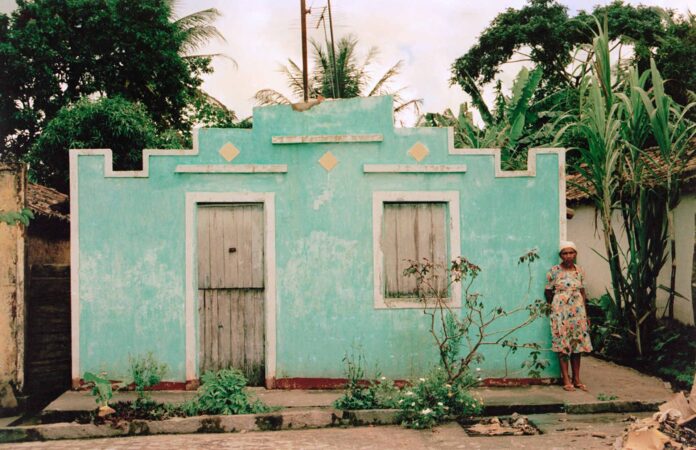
(549, 288)
(548, 293)
(582, 288)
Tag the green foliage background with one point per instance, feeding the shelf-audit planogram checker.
(113, 123)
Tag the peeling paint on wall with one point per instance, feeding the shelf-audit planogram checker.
(130, 238)
(12, 198)
(324, 197)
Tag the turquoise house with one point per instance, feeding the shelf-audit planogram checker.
(280, 248)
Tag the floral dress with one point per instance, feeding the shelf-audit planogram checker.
(569, 326)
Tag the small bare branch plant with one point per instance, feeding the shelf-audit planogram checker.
(460, 336)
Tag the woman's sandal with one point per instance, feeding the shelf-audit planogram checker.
(582, 387)
(568, 387)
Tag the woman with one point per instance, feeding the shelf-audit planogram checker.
(570, 337)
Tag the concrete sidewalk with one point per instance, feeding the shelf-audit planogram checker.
(612, 388)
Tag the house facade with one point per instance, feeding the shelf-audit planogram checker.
(278, 249)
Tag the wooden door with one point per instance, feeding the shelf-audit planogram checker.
(231, 288)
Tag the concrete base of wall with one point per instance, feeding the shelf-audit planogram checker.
(340, 383)
(8, 401)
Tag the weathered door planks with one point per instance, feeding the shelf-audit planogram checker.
(230, 285)
(226, 236)
(412, 231)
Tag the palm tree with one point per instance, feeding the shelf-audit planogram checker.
(197, 27)
(198, 30)
(350, 79)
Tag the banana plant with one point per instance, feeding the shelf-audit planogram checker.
(512, 125)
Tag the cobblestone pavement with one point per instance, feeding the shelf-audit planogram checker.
(560, 432)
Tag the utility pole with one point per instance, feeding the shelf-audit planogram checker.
(333, 52)
(303, 20)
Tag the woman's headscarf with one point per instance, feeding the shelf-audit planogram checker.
(567, 244)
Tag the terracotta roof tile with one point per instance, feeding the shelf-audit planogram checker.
(48, 202)
(576, 182)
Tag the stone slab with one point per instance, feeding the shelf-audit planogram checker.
(282, 420)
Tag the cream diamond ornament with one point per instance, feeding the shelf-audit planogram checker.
(328, 161)
(229, 152)
(418, 151)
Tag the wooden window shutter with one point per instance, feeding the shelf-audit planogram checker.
(412, 231)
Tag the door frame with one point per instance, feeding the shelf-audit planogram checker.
(192, 328)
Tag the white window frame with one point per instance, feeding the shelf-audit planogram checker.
(453, 250)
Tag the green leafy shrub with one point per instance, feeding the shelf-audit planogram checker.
(602, 397)
(432, 399)
(461, 335)
(378, 393)
(374, 394)
(609, 335)
(672, 352)
(223, 392)
(14, 217)
(669, 351)
(101, 388)
(146, 372)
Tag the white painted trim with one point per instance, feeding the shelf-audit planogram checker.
(327, 138)
(454, 250)
(226, 168)
(414, 168)
(495, 152)
(109, 172)
(268, 200)
(74, 267)
(530, 172)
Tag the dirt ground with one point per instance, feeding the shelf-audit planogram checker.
(560, 431)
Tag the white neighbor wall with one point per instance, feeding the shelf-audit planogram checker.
(582, 231)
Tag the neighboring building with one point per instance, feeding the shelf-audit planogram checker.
(278, 249)
(585, 229)
(12, 257)
(47, 291)
(34, 292)
(48, 237)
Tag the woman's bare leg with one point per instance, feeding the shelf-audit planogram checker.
(563, 362)
(575, 365)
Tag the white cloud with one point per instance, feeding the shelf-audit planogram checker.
(428, 36)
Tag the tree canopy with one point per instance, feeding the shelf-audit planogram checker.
(543, 33)
(676, 59)
(53, 52)
(124, 127)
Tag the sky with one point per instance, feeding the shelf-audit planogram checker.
(428, 36)
(261, 35)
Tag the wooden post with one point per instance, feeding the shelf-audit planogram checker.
(303, 20)
(693, 279)
(333, 52)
